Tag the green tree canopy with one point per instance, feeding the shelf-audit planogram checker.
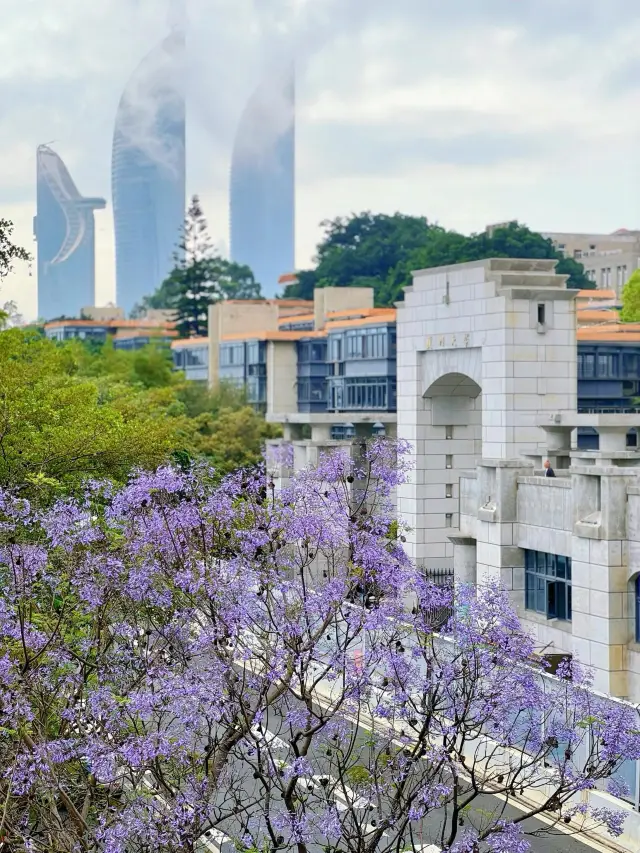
(631, 299)
(200, 278)
(380, 251)
(58, 428)
(70, 412)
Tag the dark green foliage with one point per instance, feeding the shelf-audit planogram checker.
(381, 251)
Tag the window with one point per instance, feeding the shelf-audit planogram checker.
(448, 432)
(448, 520)
(541, 314)
(588, 365)
(448, 493)
(548, 584)
(577, 254)
(637, 610)
(630, 365)
(448, 461)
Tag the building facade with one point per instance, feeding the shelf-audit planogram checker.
(64, 229)
(608, 259)
(148, 172)
(191, 355)
(262, 182)
(125, 334)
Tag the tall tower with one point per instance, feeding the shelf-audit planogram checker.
(64, 229)
(262, 191)
(148, 167)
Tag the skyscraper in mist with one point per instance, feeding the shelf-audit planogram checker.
(148, 170)
(64, 229)
(262, 190)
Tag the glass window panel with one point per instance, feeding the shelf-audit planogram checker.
(561, 567)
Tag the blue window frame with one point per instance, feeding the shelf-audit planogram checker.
(548, 584)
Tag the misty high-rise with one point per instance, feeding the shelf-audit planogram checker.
(64, 229)
(262, 192)
(148, 172)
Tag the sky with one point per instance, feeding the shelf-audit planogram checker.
(468, 112)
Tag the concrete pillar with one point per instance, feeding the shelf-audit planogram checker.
(443, 451)
(499, 557)
(321, 432)
(464, 559)
(612, 439)
(599, 574)
(558, 445)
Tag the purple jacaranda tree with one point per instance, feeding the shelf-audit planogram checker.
(186, 665)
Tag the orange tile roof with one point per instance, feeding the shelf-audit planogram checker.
(613, 332)
(273, 335)
(362, 312)
(188, 342)
(596, 315)
(597, 294)
(113, 324)
(288, 278)
(139, 333)
(296, 318)
(389, 316)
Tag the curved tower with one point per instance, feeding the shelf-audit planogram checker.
(64, 229)
(148, 172)
(262, 191)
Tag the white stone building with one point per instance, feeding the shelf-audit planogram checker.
(486, 392)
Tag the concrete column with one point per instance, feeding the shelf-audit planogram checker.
(443, 451)
(321, 432)
(464, 559)
(499, 557)
(599, 574)
(612, 439)
(558, 445)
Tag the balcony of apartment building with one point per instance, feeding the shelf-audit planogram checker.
(312, 372)
(362, 368)
(608, 377)
(126, 334)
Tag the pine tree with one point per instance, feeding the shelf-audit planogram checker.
(200, 277)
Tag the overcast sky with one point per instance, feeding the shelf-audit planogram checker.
(465, 111)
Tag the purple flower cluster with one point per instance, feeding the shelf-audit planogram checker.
(183, 657)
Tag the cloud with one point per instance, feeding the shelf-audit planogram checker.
(464, 110)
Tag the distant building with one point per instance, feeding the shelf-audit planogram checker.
(262, 186)
(148, 172)
(608, 259)
(126, 334)
(65, 234)
(102, 312)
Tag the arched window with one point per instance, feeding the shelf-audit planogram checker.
(637, 609)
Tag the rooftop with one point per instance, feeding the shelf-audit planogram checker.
(615, 333)
(111, 324)
(273, 335)
(190, 342)
(143, 333)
